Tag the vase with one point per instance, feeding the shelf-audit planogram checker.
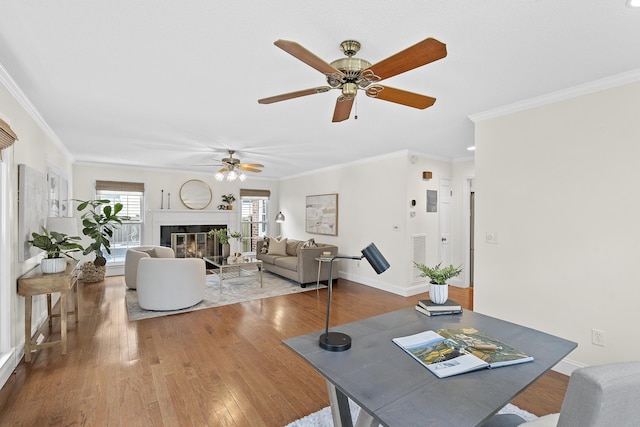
(53, 265)
(439, 293)
(226, 250)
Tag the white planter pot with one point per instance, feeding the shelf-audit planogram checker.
(53, 265)
(439, 293)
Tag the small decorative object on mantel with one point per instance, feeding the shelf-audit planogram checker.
(439, 290)
(57, 246)
(229, 199)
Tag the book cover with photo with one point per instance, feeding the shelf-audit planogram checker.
(448, 352)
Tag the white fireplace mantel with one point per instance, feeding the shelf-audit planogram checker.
(160, 217)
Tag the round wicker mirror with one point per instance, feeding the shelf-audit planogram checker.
(195, 194)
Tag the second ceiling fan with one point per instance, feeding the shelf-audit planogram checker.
(351, 74)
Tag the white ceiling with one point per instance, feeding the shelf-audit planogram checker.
(170, 84)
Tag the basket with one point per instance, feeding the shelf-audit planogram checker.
(92, 273)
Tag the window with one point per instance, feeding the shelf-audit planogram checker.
(254, 221)
(131, 195)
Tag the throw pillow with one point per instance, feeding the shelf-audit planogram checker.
(278, 247)
(311, 243)
(292, 247)
(151, 252)
(265, 246)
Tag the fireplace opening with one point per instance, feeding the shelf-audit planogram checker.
(189, 241)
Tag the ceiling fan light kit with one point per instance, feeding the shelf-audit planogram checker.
(351, 74)
(233, 169)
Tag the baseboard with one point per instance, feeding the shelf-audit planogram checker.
(8, 363)
(566, 367)
(405, 292)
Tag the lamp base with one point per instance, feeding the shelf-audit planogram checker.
(335, 341)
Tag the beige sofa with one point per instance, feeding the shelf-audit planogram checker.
(297, 263)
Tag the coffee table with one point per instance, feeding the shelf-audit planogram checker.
(222, 264)
(393, 389)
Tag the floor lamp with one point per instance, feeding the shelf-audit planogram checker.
(279, 220)
(337, 341)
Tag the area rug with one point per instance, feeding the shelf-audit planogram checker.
(322, 418)
(234, 290)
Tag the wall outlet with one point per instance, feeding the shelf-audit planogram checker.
(492, 237)
(597, 337)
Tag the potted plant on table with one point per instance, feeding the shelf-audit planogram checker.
(98, 222)
(57, 246)
(223, 238)
(439, 290)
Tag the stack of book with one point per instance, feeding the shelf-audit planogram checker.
(429, 308)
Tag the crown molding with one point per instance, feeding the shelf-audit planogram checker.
(562, 95)
(7, 81)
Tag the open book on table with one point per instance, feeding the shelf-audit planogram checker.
(448, 352)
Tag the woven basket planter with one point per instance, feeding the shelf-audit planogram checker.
(92, 273)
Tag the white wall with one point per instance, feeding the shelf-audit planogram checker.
(558, 183)
(374, 206)
(39, 149)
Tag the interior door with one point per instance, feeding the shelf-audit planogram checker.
(445, 221)
(472, 199)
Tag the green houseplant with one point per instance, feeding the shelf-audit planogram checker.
(223, 237)
(438, 276)
(229, 199)
(99, 221)
(57, 246)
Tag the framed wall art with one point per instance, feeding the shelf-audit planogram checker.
(32, 208)
(321, 214)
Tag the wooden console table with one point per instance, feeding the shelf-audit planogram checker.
(34, 282)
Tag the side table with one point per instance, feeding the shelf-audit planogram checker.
(35, 282)
(320, 260)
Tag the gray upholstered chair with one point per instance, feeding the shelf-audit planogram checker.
(598, 396)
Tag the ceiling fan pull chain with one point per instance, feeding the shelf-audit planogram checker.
(355, 117)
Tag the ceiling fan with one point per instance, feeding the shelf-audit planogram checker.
(234, 169)
(351, 74)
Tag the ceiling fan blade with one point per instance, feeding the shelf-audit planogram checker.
(223, 170)
(342, 110)
(251, 165)
(249, 169)
(403, 97)
(291, 95)
(306, 56)
(419, 54)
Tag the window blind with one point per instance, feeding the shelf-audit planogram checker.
(244, 192)
(119, 186)
(7, 136)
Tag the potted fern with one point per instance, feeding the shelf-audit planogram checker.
(57, 246)
(438, 277)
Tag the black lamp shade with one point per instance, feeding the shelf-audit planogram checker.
(375, 258)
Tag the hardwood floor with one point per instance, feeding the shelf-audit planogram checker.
(220, 366)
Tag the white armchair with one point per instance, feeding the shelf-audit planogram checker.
(134, 255)
(170, 283)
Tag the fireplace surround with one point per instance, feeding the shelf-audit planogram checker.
(164, 222)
